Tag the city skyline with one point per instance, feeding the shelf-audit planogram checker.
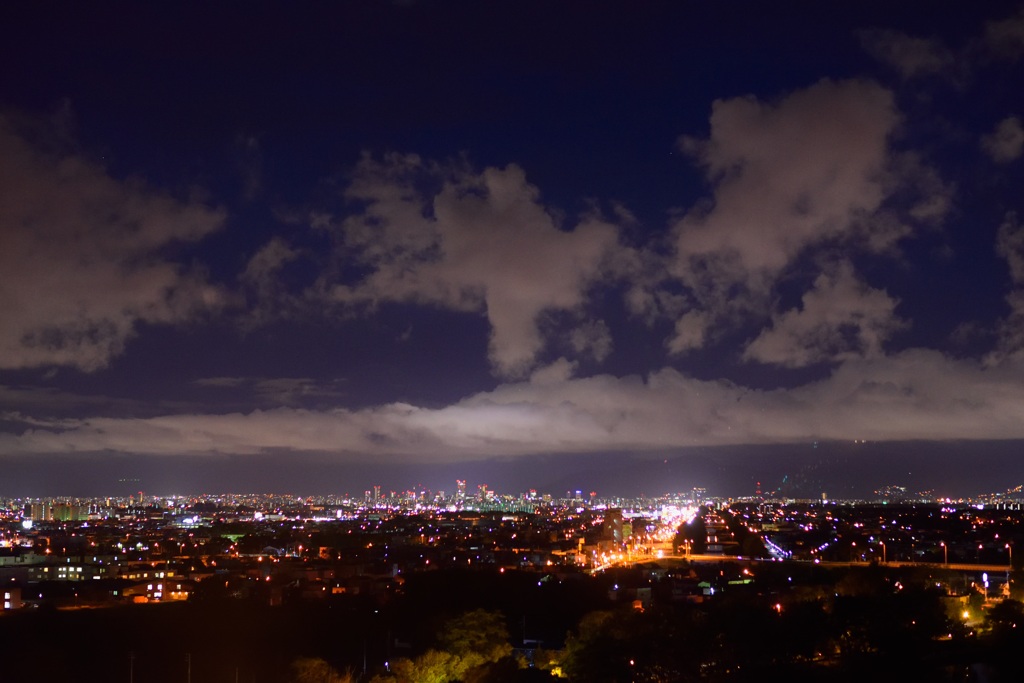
(414, 241)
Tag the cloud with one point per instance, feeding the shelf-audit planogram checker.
(1010, 246)
(914, 395)
(839, 318)
(592, 337)
(1006, 142)
(470, 241)
(278, 391)
(786, 175)
(261, 268)
(1011, 330)
(1006, 37)
(559, 371)
(18, 403)
(82, 257)
(691, 332)
(910, 56)
(269, 299)
(222, 382)
(813, 170)
(645, 274)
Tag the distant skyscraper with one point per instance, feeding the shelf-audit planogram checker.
(460, 487)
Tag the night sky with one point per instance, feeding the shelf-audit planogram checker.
(317, 246)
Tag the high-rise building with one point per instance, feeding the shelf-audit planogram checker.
(49, 511)
(612, 527)
(66, 512)
(40, 512)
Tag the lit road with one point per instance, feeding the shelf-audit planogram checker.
(628, 560)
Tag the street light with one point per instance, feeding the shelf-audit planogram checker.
(882, 543)
(1010, 549)
(945, 552)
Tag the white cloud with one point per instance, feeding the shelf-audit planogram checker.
(479, 242)
(645, 273)
(813, 170)
(1011, 329)
(560, 371)
(81, 258)
(263, 266)
(910, 56)
(690, 332)
(592, 337)
(268, 298)
(914, 395)
(1006, 142)
(788, 175)
(791, 173)
(1010, 246)
(839, 318)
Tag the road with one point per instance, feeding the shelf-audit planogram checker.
(631, 560)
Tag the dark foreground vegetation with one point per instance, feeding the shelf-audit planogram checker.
(767, 621)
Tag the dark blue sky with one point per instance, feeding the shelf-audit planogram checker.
(396, 236)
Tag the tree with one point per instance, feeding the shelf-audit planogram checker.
(626, 645)
(1005, 616)
(469, 645)
(477, 637)
(316, 670)
(433, 666)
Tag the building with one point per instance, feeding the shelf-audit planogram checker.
(12, 599)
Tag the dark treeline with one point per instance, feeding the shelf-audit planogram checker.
(798, 623)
